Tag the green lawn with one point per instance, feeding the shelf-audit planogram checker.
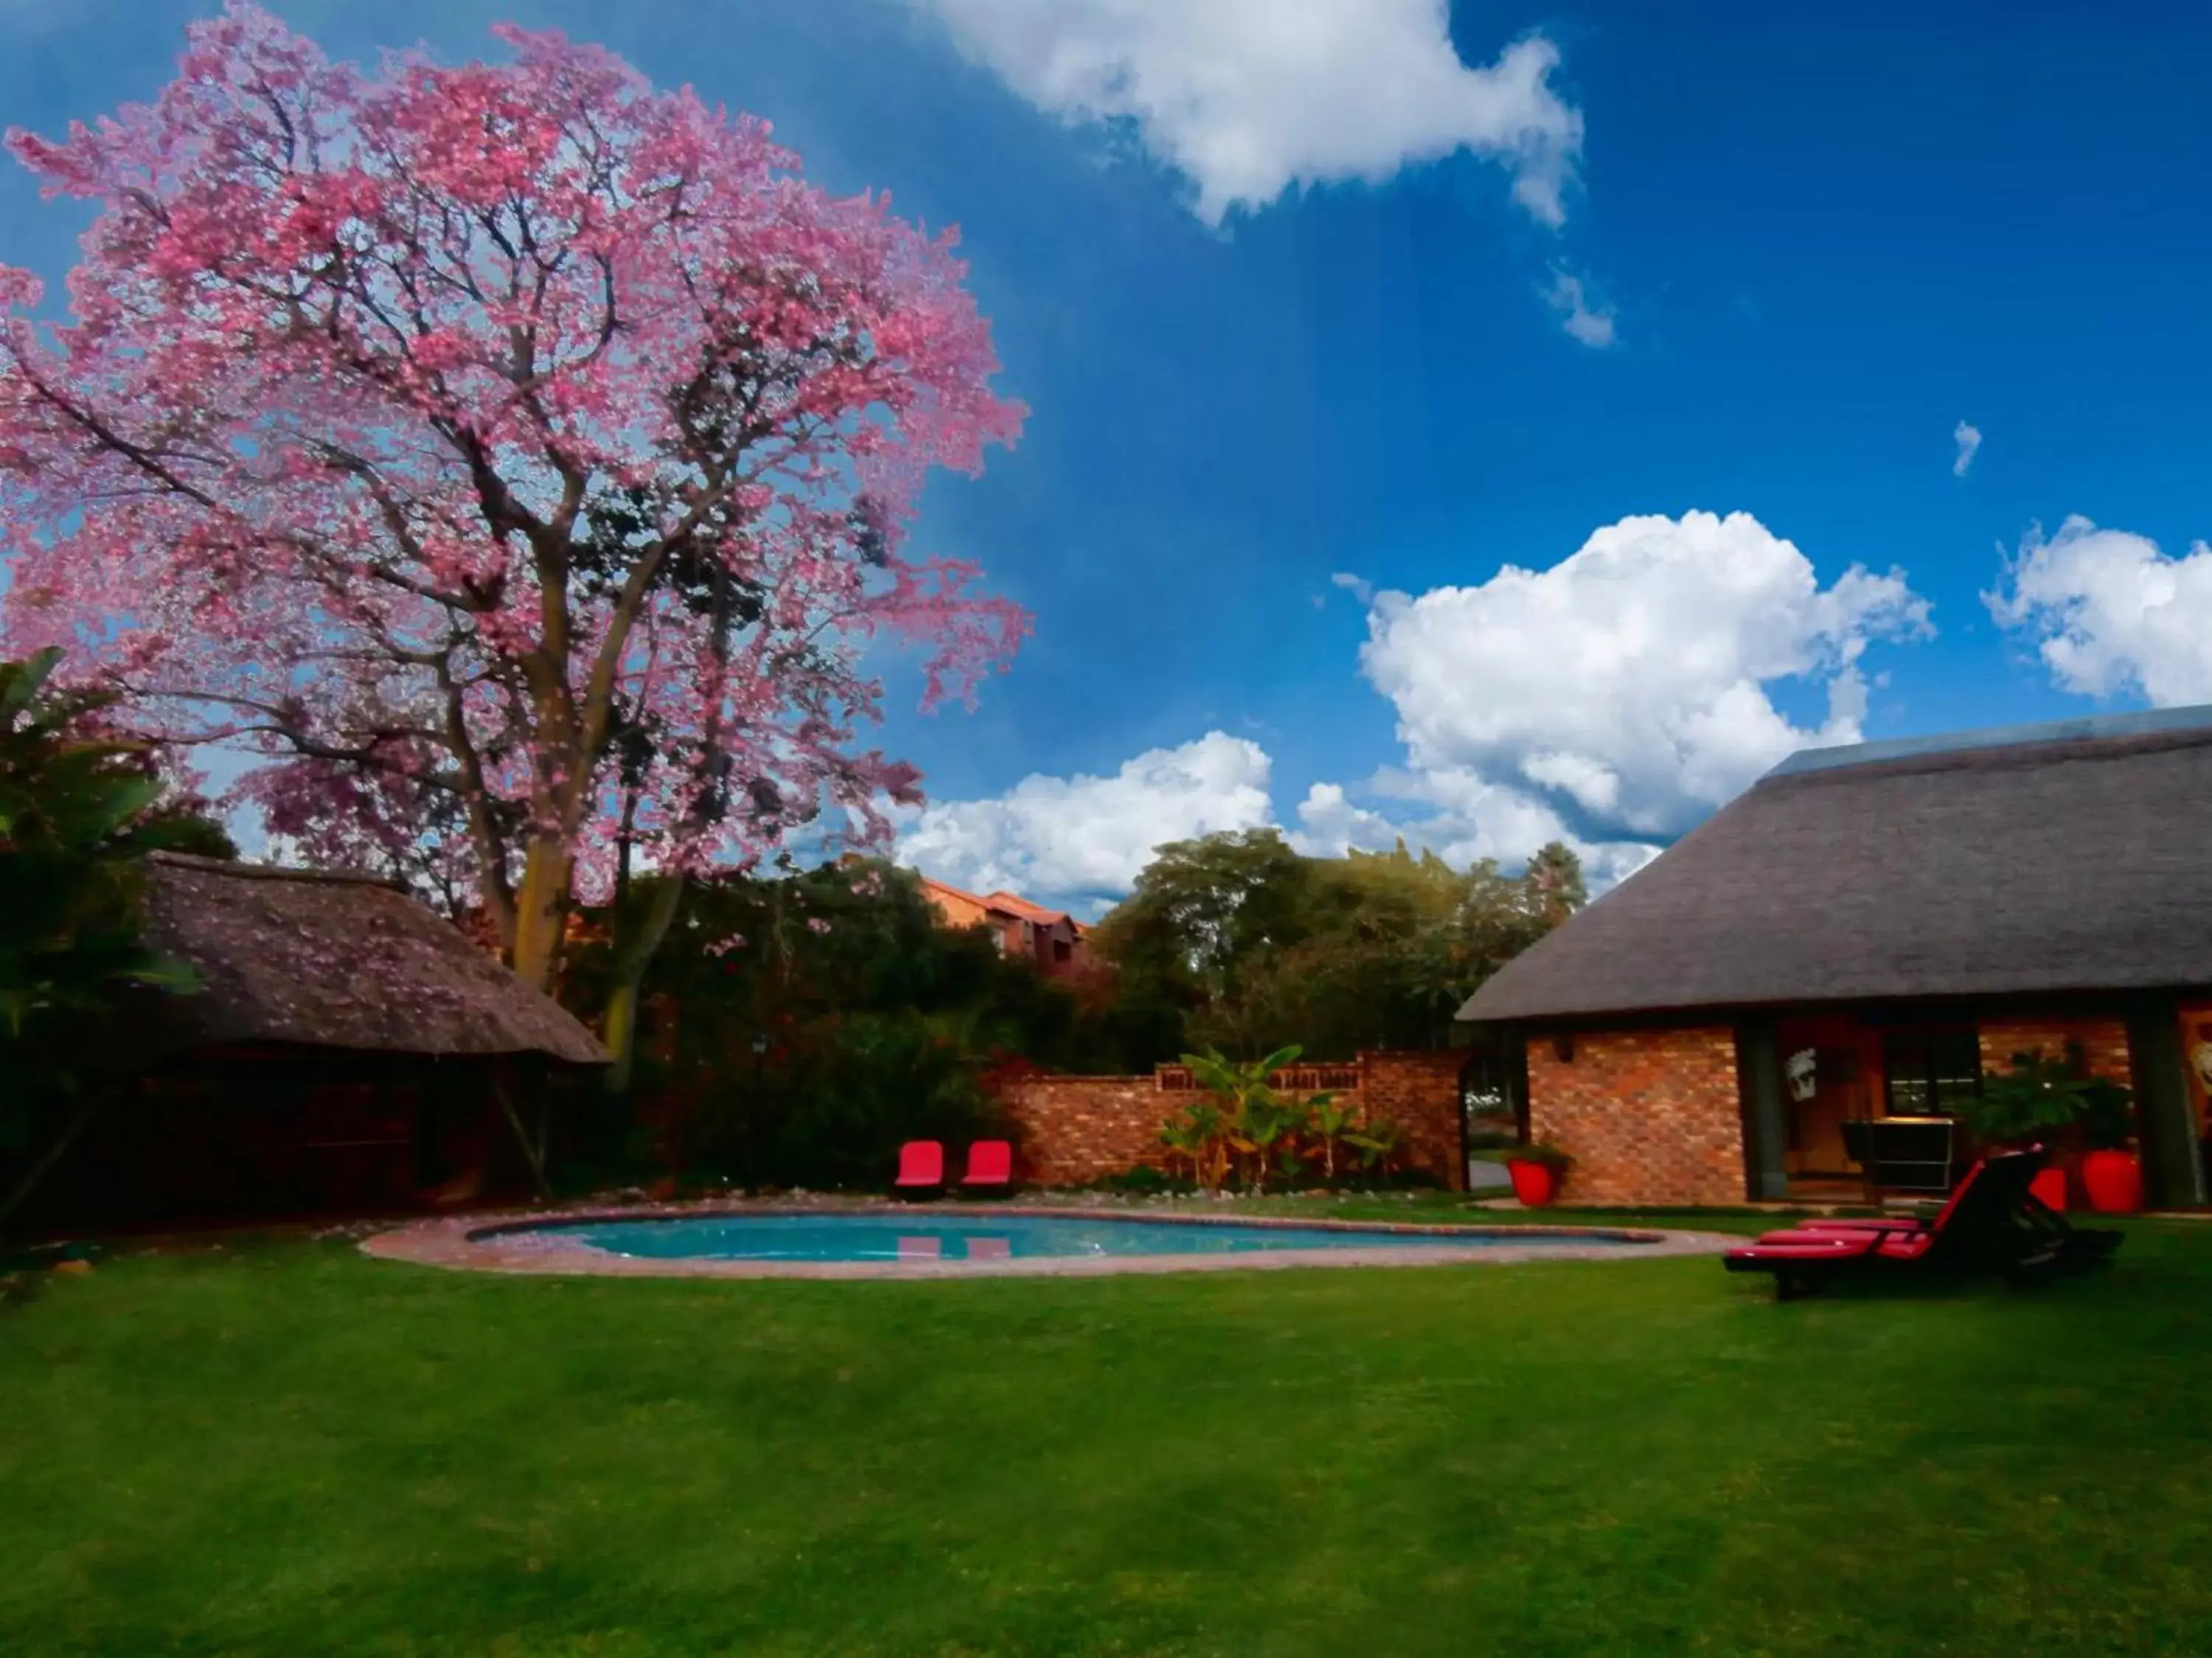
(289, 1450)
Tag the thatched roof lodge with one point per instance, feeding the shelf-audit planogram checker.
(309, 958)
(1859, 936)
(348, 1050)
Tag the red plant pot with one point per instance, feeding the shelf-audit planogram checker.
(1533, 1184)
(2113, 1180)
(2049, 1188)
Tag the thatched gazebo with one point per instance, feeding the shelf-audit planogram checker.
(349, 1051)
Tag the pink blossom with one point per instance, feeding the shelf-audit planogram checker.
(414, 429)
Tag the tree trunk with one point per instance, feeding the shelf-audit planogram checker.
(502, 1088)
(541, 911)
(633, 955)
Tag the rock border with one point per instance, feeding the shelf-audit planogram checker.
(522, 1245)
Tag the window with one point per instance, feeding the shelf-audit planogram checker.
(1929, 1073)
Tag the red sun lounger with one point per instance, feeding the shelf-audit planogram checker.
(1991, 1223)
(921, 1166)
(990, 1163)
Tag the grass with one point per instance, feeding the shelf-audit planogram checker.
(286, 1448)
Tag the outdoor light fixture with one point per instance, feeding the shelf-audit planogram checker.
(760, 1044)
(1563, 1045)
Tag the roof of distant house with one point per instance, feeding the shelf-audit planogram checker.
(2035, 859)
(312, 957)
(1004, 903)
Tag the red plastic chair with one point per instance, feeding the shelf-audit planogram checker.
(921, 1166)
(990, 1163)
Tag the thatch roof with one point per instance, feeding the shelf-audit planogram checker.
(2053, 859)
(305, 958)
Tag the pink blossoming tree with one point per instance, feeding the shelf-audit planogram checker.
(518, 458)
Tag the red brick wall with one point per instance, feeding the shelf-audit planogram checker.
(2104, 1043)
(1420, 1090)
(1650, 1117)
(1079, 1128)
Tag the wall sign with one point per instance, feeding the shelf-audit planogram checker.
(1799, 1071)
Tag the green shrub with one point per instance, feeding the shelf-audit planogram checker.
(1145, 1180)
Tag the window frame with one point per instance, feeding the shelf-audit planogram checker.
(1930, 1041)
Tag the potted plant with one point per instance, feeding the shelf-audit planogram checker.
(2111, 1173)
(1537, 1172)
(2057, 1103)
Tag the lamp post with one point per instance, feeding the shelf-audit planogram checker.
(752, 1109)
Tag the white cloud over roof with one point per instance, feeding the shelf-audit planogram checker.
(2108, 613)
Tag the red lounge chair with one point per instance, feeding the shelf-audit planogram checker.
(921, 1166)
(990, 1163)
(1991, 1222)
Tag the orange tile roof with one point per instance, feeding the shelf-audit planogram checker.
(1005, 903)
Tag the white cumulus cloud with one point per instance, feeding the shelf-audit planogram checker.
(2109, 613)
(1248, 98)
(1330, 825)
(1609, 701)
(1070, 838)
(1969, 439)
(1580, 313)
(1628, 684)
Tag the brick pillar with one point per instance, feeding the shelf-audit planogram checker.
(1421, 1091)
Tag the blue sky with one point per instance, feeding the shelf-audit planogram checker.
(1809, 244)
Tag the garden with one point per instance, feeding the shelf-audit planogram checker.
(276, 1446)
(514, 472)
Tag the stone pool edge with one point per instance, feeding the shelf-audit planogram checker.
(473, 1243)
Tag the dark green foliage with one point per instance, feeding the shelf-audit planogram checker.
(79, 811)
(1147, 1181)
(1543, 1154)
(1237, 942)
(2044, 1099)
(880, 1026)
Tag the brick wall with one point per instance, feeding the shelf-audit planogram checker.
(1650, 1117)
(1420, 1090)
(2104, 1043)
(1079, 1128)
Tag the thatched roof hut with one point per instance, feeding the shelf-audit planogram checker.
(301, 959)
(2033, 861)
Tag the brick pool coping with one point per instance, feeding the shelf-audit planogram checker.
(512, 1243)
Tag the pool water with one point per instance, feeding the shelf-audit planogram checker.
(998, 1237)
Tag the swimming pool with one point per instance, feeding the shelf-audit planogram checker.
(885, 1241)
(895, 1238)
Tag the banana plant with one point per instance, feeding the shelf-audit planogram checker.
(1263, 1127)
(1379, 1140)
(1199, 1138)
(1258, 1117)
(1333, 1120)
